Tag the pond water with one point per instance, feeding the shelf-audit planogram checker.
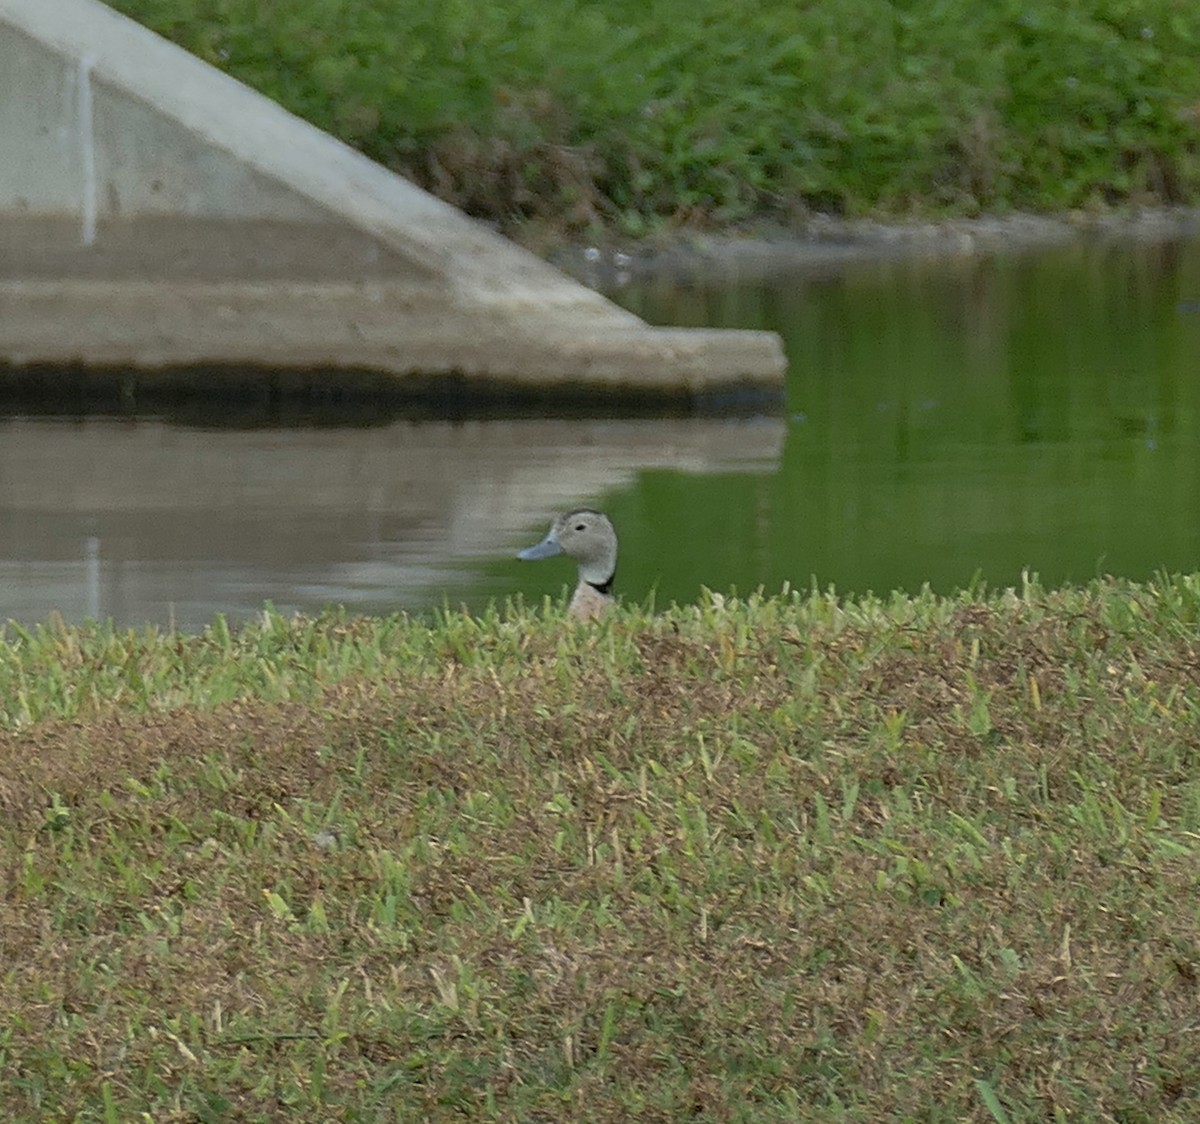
(946, 421)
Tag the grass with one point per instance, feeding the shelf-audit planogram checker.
(636, 114)
(790, 858)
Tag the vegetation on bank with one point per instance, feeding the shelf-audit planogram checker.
(637, 113)
(783, 859)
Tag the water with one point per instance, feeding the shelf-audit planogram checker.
(147, 521)
(946, 421)
(968, 419)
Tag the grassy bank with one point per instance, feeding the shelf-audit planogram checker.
(788, 859)
(710, 111)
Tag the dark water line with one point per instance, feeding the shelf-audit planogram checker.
(246, 396)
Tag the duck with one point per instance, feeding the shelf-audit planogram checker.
(588, 537)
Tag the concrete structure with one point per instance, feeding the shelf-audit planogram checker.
(157, 215)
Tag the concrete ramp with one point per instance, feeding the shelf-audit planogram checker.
(160, 219)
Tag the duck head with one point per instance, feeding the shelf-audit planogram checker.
(588, 538)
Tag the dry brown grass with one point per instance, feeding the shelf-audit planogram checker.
(927, 860)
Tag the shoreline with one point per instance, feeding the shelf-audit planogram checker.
(761, 251)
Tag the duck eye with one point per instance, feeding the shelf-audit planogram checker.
(581, 526)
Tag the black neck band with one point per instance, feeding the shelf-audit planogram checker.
(604, 587)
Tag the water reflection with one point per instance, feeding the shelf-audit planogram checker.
(145, 521)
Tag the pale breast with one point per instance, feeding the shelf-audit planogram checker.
(587, 602)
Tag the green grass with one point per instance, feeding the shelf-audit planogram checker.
(782, 859)
(637, 114)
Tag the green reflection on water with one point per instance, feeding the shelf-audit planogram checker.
(947, 420)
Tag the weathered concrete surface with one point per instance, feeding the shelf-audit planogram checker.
(155, 213)
(327, 326)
